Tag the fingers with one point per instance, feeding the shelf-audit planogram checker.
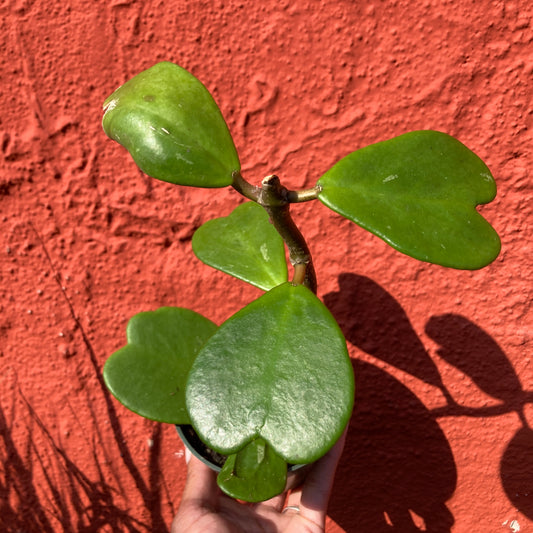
(313, 496)
(275, 503)
(201, 491)
(201, 486)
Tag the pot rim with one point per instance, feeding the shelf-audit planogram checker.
(193, 450)
(210, 464)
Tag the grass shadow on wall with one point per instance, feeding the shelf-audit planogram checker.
(398, 470)
(42, 490)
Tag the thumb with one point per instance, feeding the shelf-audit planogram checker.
(201, 486)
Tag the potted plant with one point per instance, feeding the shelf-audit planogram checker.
(273, 385)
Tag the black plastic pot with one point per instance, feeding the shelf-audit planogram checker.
(214, 460)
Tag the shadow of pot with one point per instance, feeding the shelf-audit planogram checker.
(296, 474)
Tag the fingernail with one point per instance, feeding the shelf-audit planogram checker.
(187, 455)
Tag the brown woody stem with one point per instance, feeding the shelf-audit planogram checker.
(273, 198)
(276, 200)
(304, 196)
(246, 189)
(298, 277)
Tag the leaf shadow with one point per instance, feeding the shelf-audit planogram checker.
(401, 470)
(375, 322)
(476, 354)
(397, 464)
(516, 471)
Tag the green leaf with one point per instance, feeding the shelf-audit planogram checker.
(172, 127)
(419, 193)
(278, 369)
(254, 474)
(148, 375)
(245, 245)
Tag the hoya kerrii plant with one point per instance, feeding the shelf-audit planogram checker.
(273, 385)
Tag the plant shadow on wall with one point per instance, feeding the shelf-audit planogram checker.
(44, 490)
(401, 470)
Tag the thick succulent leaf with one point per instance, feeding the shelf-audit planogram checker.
(278, 369)
(148, 375)
(245, 245)
(419, 193)
(172, 127)
(254, 474)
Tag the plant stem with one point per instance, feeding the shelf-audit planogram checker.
(299, 274)
(293, 197)
(273, 198)
(246, 189)
(276, 200)
(304, 196)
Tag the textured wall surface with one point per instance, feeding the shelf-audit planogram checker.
(441, 438)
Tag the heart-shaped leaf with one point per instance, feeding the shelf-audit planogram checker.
(419, 193)
(148, 375)
(245, 245)
(254, 474)
(172, 127)
(278, 369)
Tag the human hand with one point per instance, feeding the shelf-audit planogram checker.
(205, 508)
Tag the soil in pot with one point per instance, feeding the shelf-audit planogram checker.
(295, 473)
(192, 438)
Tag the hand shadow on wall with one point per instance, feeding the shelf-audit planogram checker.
(402, 463)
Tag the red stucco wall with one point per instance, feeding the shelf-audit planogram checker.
(441, 436)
